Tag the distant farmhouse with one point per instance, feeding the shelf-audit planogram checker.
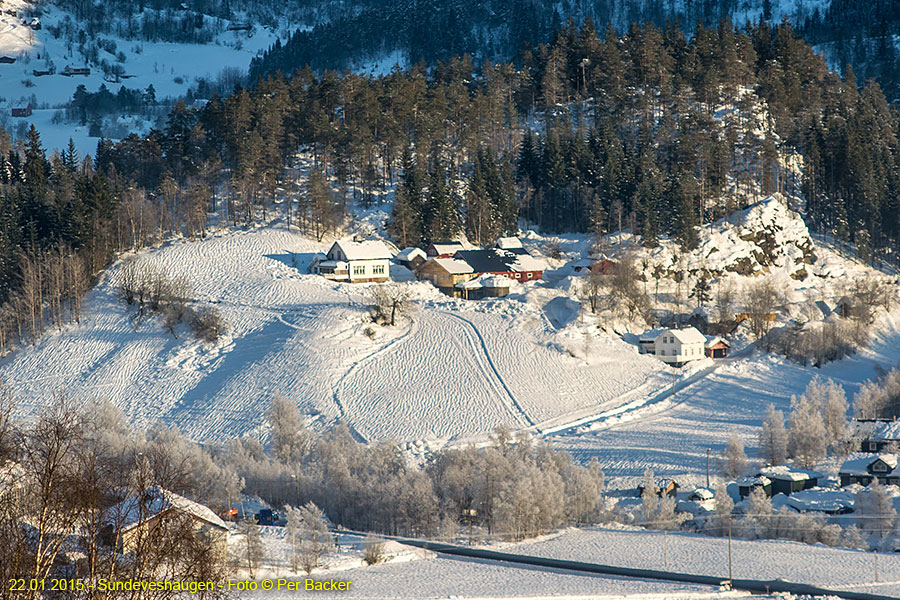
(507, 261)
(676, 347)
(444, 249)
(877, 435)
(411, 258)
(354, 261)
(863, 468)
(139, 516)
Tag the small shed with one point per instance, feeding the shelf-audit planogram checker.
(22, 112)
(411, 258)
(582, 266)
(701, 495)
(604, 266)
(470, 290)
(443, 249)
(716, 347)
(746, 485)
(7, 60)
(664, 488)
(786, 480)
(495, 286)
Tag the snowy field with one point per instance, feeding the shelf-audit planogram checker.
(453, 370)
(817, 565)
(671, 437)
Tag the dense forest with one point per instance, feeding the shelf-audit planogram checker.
(648, 131)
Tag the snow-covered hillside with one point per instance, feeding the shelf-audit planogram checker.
(454, 369)
(172, 68)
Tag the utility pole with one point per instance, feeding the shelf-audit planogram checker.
(707, 469)
(875, 559)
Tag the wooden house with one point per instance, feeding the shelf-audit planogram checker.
(674, 346)
(604, 266)
(747, 484)
(877, 435)
(716, 347)
(862, 468)
(443, 249)
(786, 480)
(238, 27)
(411, 258)
(70, 71)
(514, 264)
(445, 273)
(469, 290)
(22, 112)
(148, 514)
(663, 487)
(356, 262)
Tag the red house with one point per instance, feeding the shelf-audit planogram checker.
(22, 112)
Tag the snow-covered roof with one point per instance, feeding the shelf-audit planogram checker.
(713, 340)
(650, 335)
(367, 250)
(582, 263)
(454, 266)
(472, 284)
(408, 254)
(828, 500)
(786, 473)
(337, 264)
(526, 262)
(751, 481)
(495, 281)
(448, 247)
(688, 335)
(858, 463)
(703, 494)
(886, 432)
(509, 243)
(137, 509)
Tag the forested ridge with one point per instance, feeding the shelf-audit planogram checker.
(648, 131)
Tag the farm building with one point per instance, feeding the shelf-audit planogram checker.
(716, 347)
(139, 516)
(876, 435)
(443, 249)
(469, 290)
(674, 346)
(602, 266)
(746, 485)
(22, 112)
(862, 468)
(353, 261)
(69, 71)
(445, 273)
(664, 487)
(411, 258)
(7, 60)
(786, 480)
(495, 286)
(517, 265)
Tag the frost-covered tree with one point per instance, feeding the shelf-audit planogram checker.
(735, 460)
(807, 436)
(758, 518)
(649, 499)
(291, 441)
(724, 506)
(314, 533)
(832, 402)
(773, 438)
(250, 551)
(875, 509)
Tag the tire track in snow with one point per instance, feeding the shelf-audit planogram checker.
(413, 327)
(493, 368)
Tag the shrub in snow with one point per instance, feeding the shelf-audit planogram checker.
(208, 324)
(875, 511)
(374, 551)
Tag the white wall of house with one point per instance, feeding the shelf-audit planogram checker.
(670, 349)
(369, 269)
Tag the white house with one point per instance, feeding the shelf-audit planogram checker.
(676, 346)
(356, 262)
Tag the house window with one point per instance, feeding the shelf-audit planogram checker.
(663, 353)
(378, 269)
(528, 275)
(873, 446)
(359, 270)
(880, 467)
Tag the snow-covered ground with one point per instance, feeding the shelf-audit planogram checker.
(453, 369)
(817, 565)
(172, 68)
